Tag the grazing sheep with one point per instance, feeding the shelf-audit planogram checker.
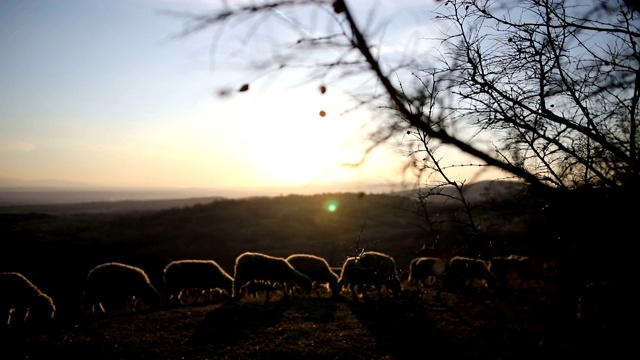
(511, 270)
(369, 269)
(424, 270)
(251, 266)
(317, 269)
(463, 272)
(182, 276)
(113, 287)
(21, 302)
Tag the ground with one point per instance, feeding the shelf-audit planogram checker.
(531, 322)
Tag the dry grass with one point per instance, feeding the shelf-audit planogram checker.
(531, 322)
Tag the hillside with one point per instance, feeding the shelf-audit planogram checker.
(23, 200)
(59, 249)
(532, 319)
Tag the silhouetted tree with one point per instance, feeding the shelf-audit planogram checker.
(546, 90)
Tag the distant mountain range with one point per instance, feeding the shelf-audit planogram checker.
(66, 199)
(14, 192)
(41, 183)
(476, 193)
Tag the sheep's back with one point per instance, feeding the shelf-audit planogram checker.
(421, 268)
(14, 287)
(462, 269)
(196, 274)
(371, 268)
(255, 266)
(17, 291)
(262, 267)
(115, 279)
(380, 263)
(315, 267)
(112, 277)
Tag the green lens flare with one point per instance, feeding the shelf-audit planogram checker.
(331, 205)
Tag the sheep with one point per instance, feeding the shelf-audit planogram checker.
(463, 272)
(370, 268)
(423, 270)
(114, 287)
(252, 266)
(350, 276)
(181, 276)
(317, 269)
(511, 270)
(22, 302)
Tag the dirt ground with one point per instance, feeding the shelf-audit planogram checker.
(533, 321)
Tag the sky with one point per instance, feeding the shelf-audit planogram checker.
(102, 93)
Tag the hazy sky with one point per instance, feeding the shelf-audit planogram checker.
(98, 92)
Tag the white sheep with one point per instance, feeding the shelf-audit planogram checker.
(463, 272)
(369, 269)
(113, 287)
(22, 302)
(204, 276)
(316, 268)
(252, 266)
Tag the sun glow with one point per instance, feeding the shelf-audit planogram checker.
(293, 144)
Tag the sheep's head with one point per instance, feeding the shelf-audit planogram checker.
(41, 309)
(151, 296)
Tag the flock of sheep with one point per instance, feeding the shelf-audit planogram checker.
(115, 286)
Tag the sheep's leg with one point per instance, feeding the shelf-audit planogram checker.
(364, 290)
(18, 316)
(235, 294)
(137, 304)
(176, 298)
(7, 315)
(100, 310)
(354, 293)
(288, 289)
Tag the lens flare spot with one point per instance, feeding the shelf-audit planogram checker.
(331, 205)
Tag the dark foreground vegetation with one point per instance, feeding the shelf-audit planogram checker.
(571, 242)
